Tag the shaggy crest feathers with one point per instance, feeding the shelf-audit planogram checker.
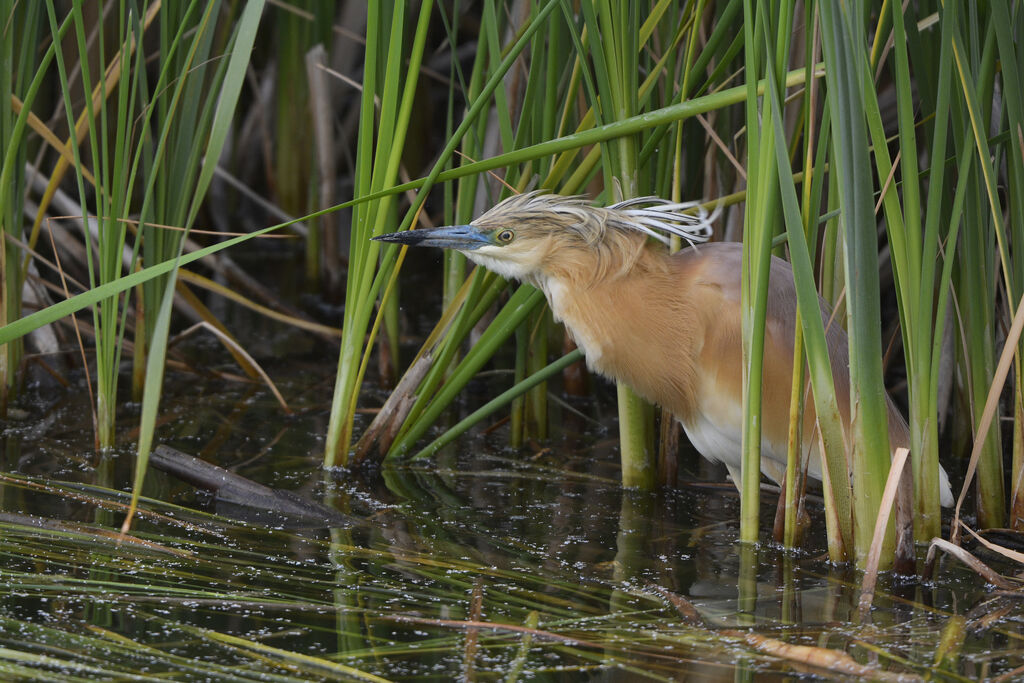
(652, 216)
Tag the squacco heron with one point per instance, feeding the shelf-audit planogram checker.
(667, 324)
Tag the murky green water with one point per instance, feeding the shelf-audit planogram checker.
(484, 564)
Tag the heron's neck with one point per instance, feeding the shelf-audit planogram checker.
(634, 326)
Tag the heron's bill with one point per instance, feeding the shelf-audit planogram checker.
(462, 237)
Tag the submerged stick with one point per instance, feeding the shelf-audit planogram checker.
(236, 489)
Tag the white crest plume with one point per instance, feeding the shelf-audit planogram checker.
(662, 219)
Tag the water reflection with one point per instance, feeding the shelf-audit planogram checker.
(484, 562)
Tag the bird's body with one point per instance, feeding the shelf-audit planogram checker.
(668, 325)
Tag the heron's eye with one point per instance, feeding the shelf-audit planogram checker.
(506, 236)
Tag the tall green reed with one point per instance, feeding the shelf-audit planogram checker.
(181, 113)
(368, 278)
(843, 38)
(111, 143)
(613, 46)
(134, 158)
(215, 122)
(974, 56)
(915, 238)
(801, 231)
(18, 63)
(759, 222)
(1012, 81)
(388, 77)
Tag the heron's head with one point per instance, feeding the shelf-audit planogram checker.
(533, 236)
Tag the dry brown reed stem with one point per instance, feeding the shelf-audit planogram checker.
(378, 437)
(822, 658)
(867, 592)
(994, 547)
(982, 569)
(240, 354)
